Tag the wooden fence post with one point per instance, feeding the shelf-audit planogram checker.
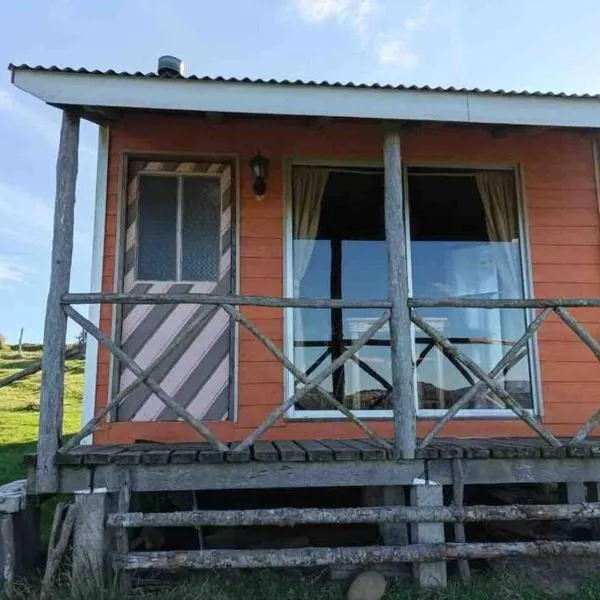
(89, 536)
(429, 574)
(55, 329)
(400, 324)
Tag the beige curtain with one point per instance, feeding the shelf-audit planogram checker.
(499, 201)
(308, 188)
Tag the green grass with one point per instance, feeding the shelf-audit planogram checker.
(18, 432)
(19, 409)
(269, 585)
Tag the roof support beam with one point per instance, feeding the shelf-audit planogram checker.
(55, 329)
(400, 343)
(505, 131)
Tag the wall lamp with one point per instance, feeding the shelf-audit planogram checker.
(260, 166)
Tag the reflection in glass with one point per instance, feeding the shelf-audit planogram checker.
(464, 243)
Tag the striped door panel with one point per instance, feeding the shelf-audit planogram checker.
(198, 375)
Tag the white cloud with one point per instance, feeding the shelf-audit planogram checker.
(395, 51)
(355, 13)
(396, 47)
(39, 118)
(317, 11)
(25, 219)
(389, 39)
(10, 271)
(32, 118)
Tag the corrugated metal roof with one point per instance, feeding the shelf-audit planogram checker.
(298, 82)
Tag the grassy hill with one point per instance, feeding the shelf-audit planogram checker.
(19, 409)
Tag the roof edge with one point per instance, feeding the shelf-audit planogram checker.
(249, 96)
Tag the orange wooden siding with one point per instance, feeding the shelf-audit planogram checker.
(563, 229)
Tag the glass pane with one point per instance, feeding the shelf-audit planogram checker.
(201, 225)
(157, 228)
(465, 244)
(339, 252)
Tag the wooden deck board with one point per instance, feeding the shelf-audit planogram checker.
(316, 451)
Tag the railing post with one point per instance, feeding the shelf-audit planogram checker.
(55, 329)
(400, 325)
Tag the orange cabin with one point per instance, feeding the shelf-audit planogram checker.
(500, 201)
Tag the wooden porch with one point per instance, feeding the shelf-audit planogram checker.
(324, 463)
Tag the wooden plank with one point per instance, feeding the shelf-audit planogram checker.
(209, 455)
(101, 455)
(263, 451)
(447, 449)
(184, 456)
(129, 456)
(240, 456)
(367, 451)
(341, 451)
(256, 475)
(159, 456)
(395, 511)
(354, 555)
(75, 456)
(519, 470)
(234, 300)
(553, 452)
(290, 451)
(55, 326)
(315, 451)
(400, 342)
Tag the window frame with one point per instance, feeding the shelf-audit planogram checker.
(178, 225)
(526, 272)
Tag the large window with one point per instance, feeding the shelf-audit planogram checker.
(464, 242)
(179, 228)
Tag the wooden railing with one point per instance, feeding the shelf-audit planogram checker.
(313, 382)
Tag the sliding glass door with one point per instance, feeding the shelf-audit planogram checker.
(465, 242)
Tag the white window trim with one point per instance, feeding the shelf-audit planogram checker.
(374, 415)
(178, 230)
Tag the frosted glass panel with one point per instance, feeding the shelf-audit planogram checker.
(157, 228)
(201, 229)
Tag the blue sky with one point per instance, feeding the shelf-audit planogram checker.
(517, 44)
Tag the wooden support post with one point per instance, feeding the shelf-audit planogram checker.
(55, 329)
(121, 534)
(89, 541)
(458, 499)
(432, 574)
(400, 325)
(8, 551)
(576, 492)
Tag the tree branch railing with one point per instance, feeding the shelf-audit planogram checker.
(311, 380)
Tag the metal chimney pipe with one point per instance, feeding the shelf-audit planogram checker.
(170, 66)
